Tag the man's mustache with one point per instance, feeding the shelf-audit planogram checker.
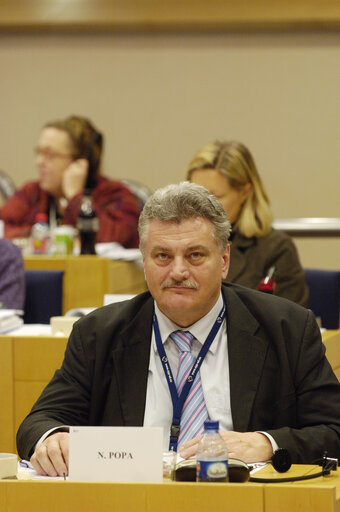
(184, 284)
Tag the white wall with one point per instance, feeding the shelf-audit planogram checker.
(158, 98)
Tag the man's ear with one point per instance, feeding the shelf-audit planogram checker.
(143, 262)
(226, 261)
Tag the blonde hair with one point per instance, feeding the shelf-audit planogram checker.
(235, 162)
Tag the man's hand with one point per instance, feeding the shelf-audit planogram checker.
(246, 446)
(51, 456)
(74, 178)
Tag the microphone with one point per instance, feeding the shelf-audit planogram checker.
(267, 284)
(281, 460)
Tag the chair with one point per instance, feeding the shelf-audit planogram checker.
(7, 187)
(324, 296)
(43, 295)
(141, 192)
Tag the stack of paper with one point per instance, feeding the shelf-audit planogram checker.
(115, 251)
(10, 319)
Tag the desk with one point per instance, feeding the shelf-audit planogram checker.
(331, 341)
(28, 363)
(319, 495)
(87, 278)
(309, 226)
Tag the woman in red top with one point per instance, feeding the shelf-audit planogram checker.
(68, 160)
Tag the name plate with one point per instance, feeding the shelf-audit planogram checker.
(116, 454)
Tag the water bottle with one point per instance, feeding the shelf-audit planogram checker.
(87, 224)
(40, 235)
(211, 455)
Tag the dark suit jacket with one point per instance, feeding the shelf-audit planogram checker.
(280, 380)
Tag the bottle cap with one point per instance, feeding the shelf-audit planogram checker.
(41, 217)
(211, 425)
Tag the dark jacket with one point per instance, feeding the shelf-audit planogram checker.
(12, 276)
(250, 259)
(280, 380)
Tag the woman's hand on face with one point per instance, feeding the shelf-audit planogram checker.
(74, 178)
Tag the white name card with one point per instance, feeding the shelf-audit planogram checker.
(116, 454)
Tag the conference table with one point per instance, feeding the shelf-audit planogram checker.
(331, 340)
(27, 363)
(319, 495)
(87, 279)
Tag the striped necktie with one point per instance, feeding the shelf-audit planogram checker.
(194, 411)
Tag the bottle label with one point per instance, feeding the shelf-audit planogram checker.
(41, 246)
(212, 470)
(63, 245)
(91, 224)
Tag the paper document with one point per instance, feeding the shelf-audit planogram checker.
(116, 251)
(10, 319)
(32, 330)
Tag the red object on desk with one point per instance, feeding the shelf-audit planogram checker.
(267, 284)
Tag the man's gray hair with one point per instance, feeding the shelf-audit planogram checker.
(175, 203)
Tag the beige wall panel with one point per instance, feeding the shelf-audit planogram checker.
(159, 97)
(319, 252)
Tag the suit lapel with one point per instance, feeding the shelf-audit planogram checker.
(131, 363)
(247, 351)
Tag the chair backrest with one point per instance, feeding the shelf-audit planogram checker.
(140, 191)
(7, 187)
(43, 295)
(324, 296)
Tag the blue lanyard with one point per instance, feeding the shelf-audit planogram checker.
(178, 400)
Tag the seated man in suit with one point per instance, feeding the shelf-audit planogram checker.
(263, 371)
(12, 276)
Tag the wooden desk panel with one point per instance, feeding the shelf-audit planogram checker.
(87, 278)
(132, 15)
(26, 365)
(6, 396)
(35, 359)
(17, 496)
(331, 341)
(126, 277)
(26, 394)
(301, 499)
(319, 495)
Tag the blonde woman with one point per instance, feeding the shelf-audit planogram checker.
(227, 169)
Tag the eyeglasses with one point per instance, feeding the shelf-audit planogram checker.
(51, 155)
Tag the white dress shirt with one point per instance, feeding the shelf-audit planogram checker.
(214, 372)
